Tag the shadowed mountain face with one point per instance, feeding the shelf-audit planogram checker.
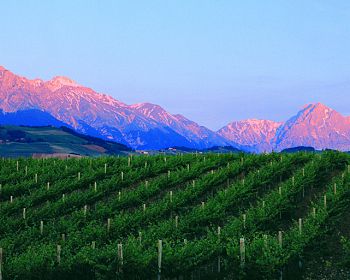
(61, 101)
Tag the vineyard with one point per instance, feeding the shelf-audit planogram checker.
(189, 216)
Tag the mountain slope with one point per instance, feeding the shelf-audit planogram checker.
(31, 117)
(90, 112)
(198, 136)
(255, 135)
(61, 101)
(45, 141)
(317, 126)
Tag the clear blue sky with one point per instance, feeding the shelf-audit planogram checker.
(213, 61)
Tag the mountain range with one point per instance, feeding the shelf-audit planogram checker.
(63, 102)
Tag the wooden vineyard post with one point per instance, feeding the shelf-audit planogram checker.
(78, 176)
(85, 210)
(280, 239)
(63, 236)
(168, 174)
(122, 175)
(41, 227)
(120, 256)
(314, 212)
(325, 201)
(24, 213)
(63, 197)
(105, 168)
(160, 252)
(165, 159)
(293, 181)
(48, 186)
(219, 264)
(263, 204)
(219, 231)
(303, 172)
(140, 237)
(176, 221)
(243, 182)
(129, 161)
(244, 220)
(242, 251)
(11, 199)
(300, 222)
(335, 188)
(146, 183)
(193, 183)
(188, 168)
(26, 170)
(95, 186)
(265, 241)
(93, 245)
(108, 224)
(203, 204)
(280, 191)
(144, 207)
(59, 254)
(171, 196)
(17, 165)
(119, 196)
(36, 178)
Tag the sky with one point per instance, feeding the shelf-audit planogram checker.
(213, 61)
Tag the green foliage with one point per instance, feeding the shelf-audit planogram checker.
(200, 206)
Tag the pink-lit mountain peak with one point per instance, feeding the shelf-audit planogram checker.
(251, 132)
(154, 112)
(59, 82)
(319, 115)
(316, 125)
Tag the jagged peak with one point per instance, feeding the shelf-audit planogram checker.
(62, 80)
(256, 122)
(319, 107)
(146, 105)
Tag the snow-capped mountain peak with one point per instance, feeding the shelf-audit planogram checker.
(59, 82)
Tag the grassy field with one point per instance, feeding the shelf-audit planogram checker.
(209, 216)
(20, 141)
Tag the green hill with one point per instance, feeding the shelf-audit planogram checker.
(21, 141)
